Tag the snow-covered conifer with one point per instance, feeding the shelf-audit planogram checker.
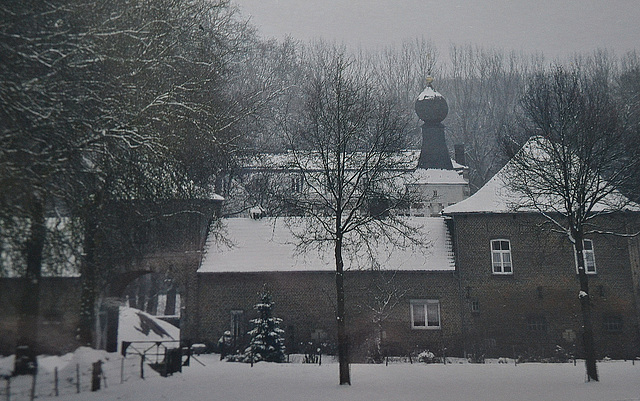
(267, 338)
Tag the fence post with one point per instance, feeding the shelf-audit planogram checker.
(8, 388)
(55, 374)
(96, 373)
(33, 387)
(78, 378)
(122, 371)
(142, 366)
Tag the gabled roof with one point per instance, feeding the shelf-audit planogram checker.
(268, 245)
(496, 196)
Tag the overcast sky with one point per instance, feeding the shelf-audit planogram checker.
(555, 27)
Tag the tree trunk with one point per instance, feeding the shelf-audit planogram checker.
(170, 305)
(343, 339)
(152, 294)
(26, 360)
(88, 277)
(585, 306)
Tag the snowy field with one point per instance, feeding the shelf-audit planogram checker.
(400, 381)
(458, 381)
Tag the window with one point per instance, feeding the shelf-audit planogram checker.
(475, 305)
(612, 324)
(296, 184)
(501, 256)
(537, 323)
(589, 257)
(425, 314)
(236, 323)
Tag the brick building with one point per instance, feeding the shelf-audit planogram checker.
(495, 280)
(519, 278)
(513, 290)
(402, 300)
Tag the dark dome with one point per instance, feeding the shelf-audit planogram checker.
(430, 105)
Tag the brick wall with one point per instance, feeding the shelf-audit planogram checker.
(306, 303)
(544, 285)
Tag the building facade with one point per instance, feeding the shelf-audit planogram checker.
(492, 281)
(519, 288)
(513, 293)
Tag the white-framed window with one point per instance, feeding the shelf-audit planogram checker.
(425, 314)
(501, 256)
(589, 257)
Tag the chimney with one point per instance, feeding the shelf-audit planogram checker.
(459, 154)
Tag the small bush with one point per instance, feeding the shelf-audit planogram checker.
(428, 357)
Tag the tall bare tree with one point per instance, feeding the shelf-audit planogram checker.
(343, 151)
(572, 168)
(483, 87)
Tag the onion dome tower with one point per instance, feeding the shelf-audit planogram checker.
(432, 108)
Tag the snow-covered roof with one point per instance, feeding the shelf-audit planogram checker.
(137, 325)
(457, 166)
(268, 244)
(428, 93)
(404, 160)
(437, 176)
(496, 196)
(493, 197)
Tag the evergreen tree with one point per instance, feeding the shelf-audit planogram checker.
(267, 338)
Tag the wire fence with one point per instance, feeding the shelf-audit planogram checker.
(72, 379)
(136, 362)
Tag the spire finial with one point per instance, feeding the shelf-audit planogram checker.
(429, 80)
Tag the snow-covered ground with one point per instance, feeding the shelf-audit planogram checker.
(399, 381)
(459, 381)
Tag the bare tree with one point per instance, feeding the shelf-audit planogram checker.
(483, 87)
(571, 169)
(403, 69)
(384, 292)
(343, 151)
(627, 89)
(110, 101)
